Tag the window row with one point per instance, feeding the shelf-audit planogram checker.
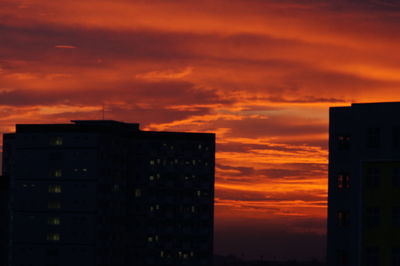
(372, 217)
(373, 138)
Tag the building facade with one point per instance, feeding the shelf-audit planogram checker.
(364, 185)
(106, 193)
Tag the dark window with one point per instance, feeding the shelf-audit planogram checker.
(373, 178)
(372, 256)
(396, 256)
(396, 177)
(373, 138)
(52, 252)
(344, 142)
(342, 257)
(341, 218)
(396, 137)
(372, 216)
(343, 181)
(396, 216)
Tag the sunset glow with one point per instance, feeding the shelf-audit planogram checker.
(261, 74)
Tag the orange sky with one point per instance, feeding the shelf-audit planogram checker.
(259, 73)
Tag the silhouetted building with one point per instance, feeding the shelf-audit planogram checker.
(108, 194)
(4, 233)
(364, 185)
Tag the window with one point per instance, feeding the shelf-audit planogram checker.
(373, 178)
(52, 252)
(342, 257)
(54, 189)
(341, 218)
(56, 173)
(343, 181)
(372, 256)
(372, 216)
(138, 193)
(396, 256)
(56, 141)
(396, 216)
(396, 177)
(344, 142)
(53, 221)
(53, 237)
(396, 137)
(373, 137)
(54, 204)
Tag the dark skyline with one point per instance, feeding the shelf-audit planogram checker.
(105, 193)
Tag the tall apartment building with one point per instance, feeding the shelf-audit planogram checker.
(106, 193)
(364, 185)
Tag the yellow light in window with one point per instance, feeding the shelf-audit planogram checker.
(151, 177)
(150, 239)
(53, 237)
(56, 141)
(162, 254)
(53, 221)
(138, 193)
(152, 162)
(198, 193)
(57, 173)
(54, 189)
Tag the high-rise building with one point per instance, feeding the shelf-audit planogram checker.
(364, 185)
(106, 193)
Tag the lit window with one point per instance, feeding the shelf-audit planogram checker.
(200, 147)
(198, 193)
(191, 253)
(54, 189)
(138, 193)
(56, 141)
(193, 209)
(54, 205)
(150, 239)
(343, 181)
(53, 221)
(57, 173)
(152, 162)
(151, 177)
(162, 254)
(151, 208)
(53, 237)
(194, 162)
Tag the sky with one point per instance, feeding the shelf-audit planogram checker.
(261, 74)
